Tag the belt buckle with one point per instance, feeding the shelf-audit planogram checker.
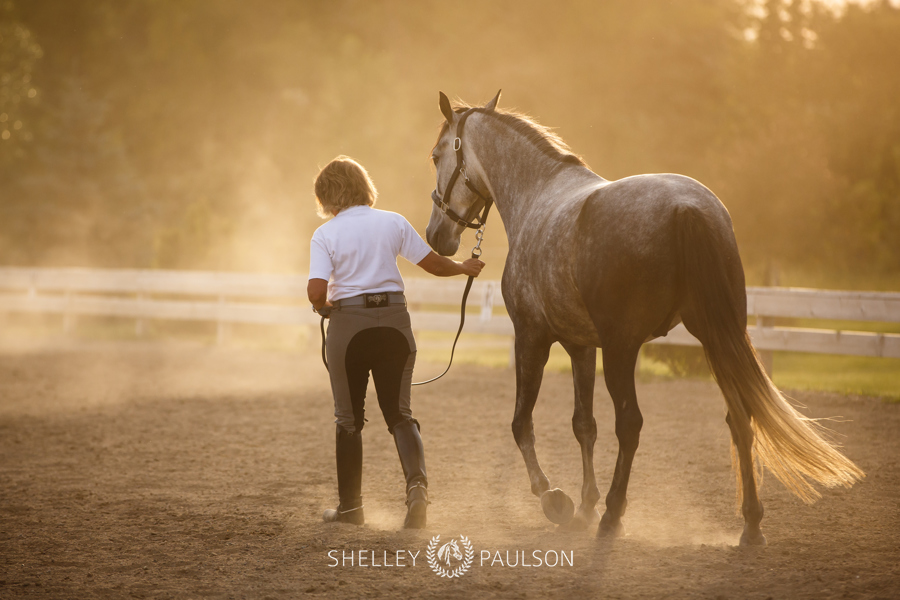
(376, 300)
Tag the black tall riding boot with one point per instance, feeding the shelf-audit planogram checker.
(412, 457)
(348, 451)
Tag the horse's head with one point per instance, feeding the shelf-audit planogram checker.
(453, 203)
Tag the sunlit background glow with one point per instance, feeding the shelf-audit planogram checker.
(186, 134)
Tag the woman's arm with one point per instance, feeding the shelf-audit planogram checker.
(445, 267)
(317, 291)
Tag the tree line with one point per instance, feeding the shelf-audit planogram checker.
(186, 134)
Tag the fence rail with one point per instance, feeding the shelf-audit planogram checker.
(281, 300)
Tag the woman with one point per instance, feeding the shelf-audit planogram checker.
(369, 327)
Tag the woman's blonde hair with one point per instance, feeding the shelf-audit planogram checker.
(343, 183)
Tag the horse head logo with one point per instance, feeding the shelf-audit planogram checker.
(448, 551)
(452, 558)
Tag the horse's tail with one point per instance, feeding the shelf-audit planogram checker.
(789, 444)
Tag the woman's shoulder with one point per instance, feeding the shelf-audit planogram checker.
(388, 215)
(386, 218)
(323, 229)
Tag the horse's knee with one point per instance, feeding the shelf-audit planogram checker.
(521, 430)
(585, 430)
(628, 429)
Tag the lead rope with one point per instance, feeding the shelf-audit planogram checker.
(476, 253)
(322, 329)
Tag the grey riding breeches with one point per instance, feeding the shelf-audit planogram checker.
(379, 340)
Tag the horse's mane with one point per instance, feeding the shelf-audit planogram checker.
(543, 138)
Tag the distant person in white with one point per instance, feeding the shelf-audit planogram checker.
(354, 280)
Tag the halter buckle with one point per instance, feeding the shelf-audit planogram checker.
(457, 144)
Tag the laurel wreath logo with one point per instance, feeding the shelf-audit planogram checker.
(435, 557)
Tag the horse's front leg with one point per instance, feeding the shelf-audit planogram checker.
(584, 369)
(532, 352)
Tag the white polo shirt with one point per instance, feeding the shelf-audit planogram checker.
(357, 250)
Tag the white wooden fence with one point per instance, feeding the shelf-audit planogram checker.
(281, 300)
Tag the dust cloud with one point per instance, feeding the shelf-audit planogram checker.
(208, 471)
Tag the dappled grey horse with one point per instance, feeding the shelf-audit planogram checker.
(612, 264)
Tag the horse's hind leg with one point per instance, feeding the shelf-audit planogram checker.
(751, 508)
(618, 370)
(584, 369)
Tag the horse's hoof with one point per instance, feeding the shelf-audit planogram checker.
(558, 507)
(610, 528)
(755, 538)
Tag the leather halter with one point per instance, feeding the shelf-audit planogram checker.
(461, 169)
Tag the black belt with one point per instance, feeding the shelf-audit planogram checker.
(378, 300)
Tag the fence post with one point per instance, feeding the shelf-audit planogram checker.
(487, 302)
(773, 279)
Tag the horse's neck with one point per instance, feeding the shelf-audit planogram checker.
(525, 183)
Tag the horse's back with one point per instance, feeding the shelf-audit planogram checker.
(648, 201)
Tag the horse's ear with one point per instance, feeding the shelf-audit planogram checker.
(493, 103)
(446, 108)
